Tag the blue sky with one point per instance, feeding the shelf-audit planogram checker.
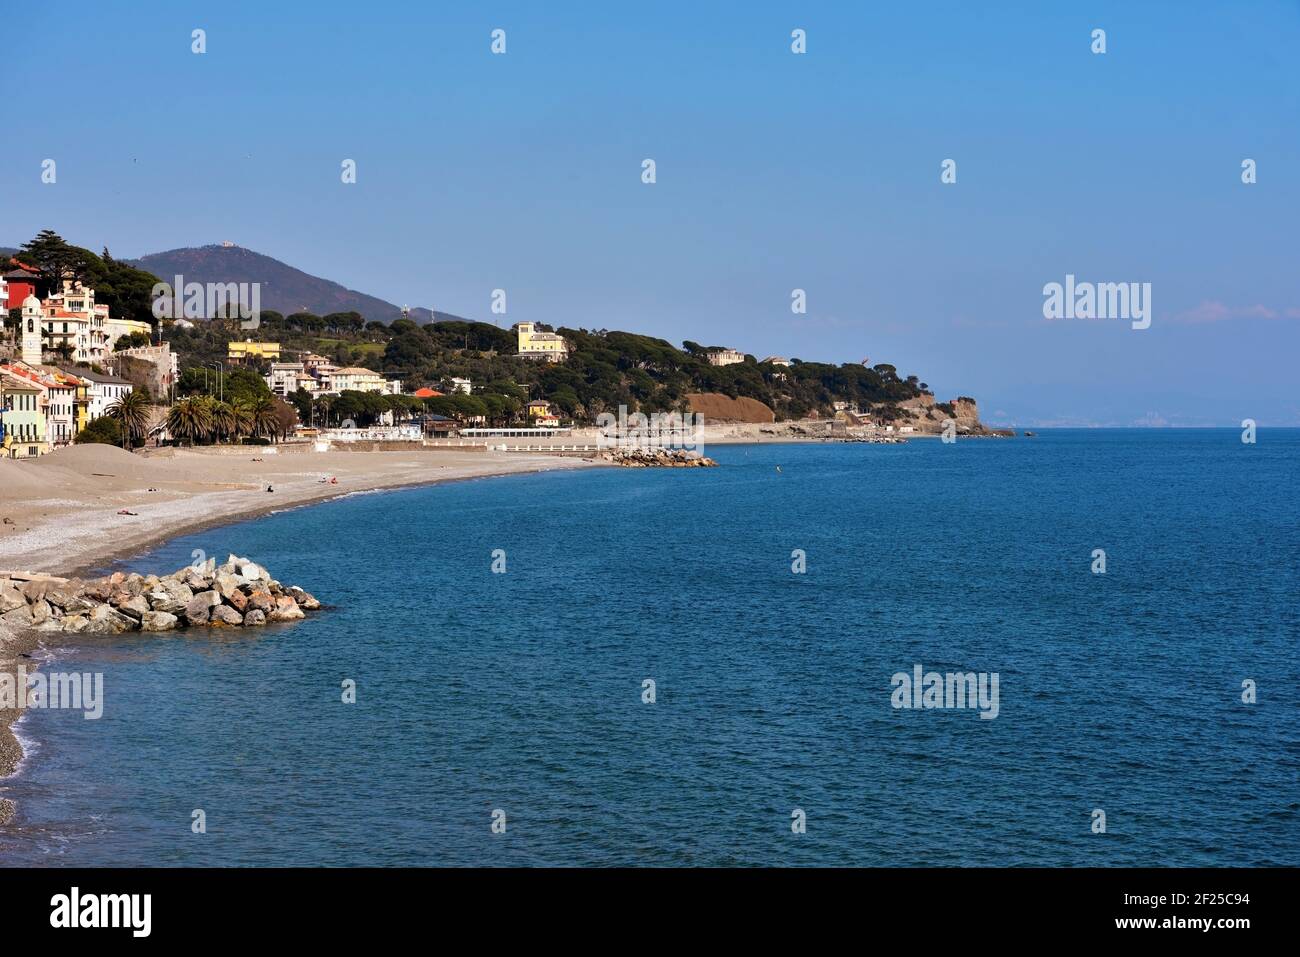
(775, 172)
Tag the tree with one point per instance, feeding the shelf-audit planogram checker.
(131, 413)
(102, 431)
(264, 417)
(131, 341)
(53, 258)
(190, 419)
(224, 420)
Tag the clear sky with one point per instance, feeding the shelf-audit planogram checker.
(775, 171)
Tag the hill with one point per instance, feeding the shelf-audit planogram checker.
(716, 407)
(284, 288)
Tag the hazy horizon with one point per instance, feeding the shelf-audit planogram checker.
(775, 171)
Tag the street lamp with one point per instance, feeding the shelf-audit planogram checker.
(219, 368)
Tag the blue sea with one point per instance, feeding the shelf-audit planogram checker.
(522, 693)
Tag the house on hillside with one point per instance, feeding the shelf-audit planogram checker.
(546, 346)
(724, 357)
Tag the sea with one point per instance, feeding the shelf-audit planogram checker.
(702, 667)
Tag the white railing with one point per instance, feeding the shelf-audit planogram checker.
(378, 433)
(545, 448)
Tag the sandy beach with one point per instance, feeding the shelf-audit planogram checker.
(59, 513)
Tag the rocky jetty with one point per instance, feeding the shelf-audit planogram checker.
(236, 594)
(637, 458)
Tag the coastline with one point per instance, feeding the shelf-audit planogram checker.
(190, 490)
(70, 538)
(13, 646)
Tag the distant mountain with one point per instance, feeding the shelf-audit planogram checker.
(284, 288)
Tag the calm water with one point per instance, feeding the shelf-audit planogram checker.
(522, 691)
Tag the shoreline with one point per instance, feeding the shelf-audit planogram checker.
(68, 519)
(13, 645)
(180, 529)
(76, 541)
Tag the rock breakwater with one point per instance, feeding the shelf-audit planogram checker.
(656, 458)
(238, 593)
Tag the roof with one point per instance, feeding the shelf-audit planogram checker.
(13, 383)
(356, 370)
(97, 377)
(427, 393)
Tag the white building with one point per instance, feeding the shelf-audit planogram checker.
(73, 325)
(725, 357)
(104, 390)
(462, 385)
(775, 360)
(357, 379)
(283, 377)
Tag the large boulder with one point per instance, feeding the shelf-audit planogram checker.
(306, 601)
(136, 607)
(105, 620)
(226, 583)
(18, 617)
(254, 617)
(11, 596)
(199, 608)
(286, 609)
(171, 600)
(72, 624)
(41, 611)
(262, 600)
(223, 615)
(159, 621)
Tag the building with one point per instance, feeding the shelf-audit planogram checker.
(30, 325)
(283, 378)
(357, 379)
(540, 345)
(67, 399)
(102, 391)
(775, 360)
(118, 328)
(249, 351)
(63, 397)
(465, 386)
(155, 368)
(313, 364)
(724, 357)
(426, 393)
(21, 416)
(16, 285)
(73, 325)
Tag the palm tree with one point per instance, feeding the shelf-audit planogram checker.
(224, 420)
(264, 417)
(243, 411)
(131, 411)
(189, 419)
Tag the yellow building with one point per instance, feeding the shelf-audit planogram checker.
(118, 328)
(248, 350)
(23, 418)
(540, 345)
